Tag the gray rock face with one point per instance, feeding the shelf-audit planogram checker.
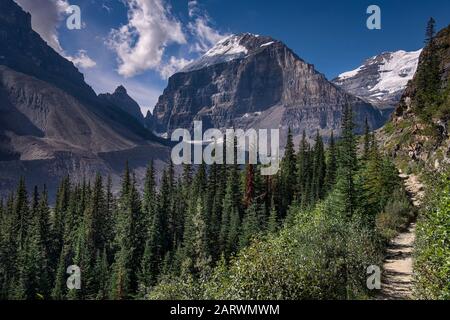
(382, 79)
(52, 124)
(123, 101)
(24, 51)
(251, 81)
(150, 122)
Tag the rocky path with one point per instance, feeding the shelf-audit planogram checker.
(397, 281)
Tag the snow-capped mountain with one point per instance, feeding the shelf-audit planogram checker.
(233, 47)
(382, 79)
(252, 81)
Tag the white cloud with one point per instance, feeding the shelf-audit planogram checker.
(141, 43)
(205, 35)
(46, 16)
(82, 60)
(174, 64)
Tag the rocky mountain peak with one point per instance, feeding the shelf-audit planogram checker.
(251, 81)
(120, 99)
(25, 51)
(382, 79)
(236, 46)
(121, 90)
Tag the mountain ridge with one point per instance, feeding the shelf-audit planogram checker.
(267, 86)
(418, 133)
(381, 79)
(53, 124)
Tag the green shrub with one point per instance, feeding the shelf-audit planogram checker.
(321, 256)
(432, 255)
(395, 216)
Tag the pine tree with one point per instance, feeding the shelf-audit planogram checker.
(330, 178)
(59, 289)
(60, 215)
(367, 138)
(230, 213)
(348, 164)
(21, 213)
(233, 232)
(372, 184)
(288, 172)
(101, 270)
(91, 239)
(250, 226)
(319, 170)
(249, 194)
(44, 222)
(201, 258)
(428, 76)
(33, 279)
(147, 273)
(430, 31)
(304, 172)
(126, 262)
(8, 249)
(213, 209)
(109, 218)
(165, 208)
(272, 223)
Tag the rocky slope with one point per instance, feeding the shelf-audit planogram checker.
(52, 123)
(418, 133)
(120, 99)
(382, 79)
(255, 81)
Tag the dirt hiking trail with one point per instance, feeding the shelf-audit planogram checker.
(397, 280)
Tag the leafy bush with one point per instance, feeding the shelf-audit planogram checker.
(322, 256)
(432, 263)
(395, 216)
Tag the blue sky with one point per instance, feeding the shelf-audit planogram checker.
(139, 43)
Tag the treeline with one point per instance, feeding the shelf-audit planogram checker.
(219, 232)
(327, 239)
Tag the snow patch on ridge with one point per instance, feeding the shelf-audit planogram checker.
(225, 50)
(349, 74)
(396, 71)
(227, 46)
(267, 44)
(382, 78)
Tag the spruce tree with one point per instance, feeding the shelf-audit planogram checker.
(319, 170)
(249, 194)
(126, 261)
(231, 213)
(21, 213)
(330, 178)
(367, 139)
(272, 223)
(33, 279)
(201, 258)
(250, 226)
(102, 271)
(288, 172)
(348, 164)
(428, 76)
